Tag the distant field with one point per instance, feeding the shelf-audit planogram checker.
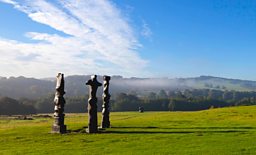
(217, 131)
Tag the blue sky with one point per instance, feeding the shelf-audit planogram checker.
(143, 38)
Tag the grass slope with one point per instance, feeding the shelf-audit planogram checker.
(216, 131)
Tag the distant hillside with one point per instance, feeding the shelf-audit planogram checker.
(210, 82)
(20, 87)
(10, 106)
(17, 87)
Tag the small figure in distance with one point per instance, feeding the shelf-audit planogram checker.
(141, 109)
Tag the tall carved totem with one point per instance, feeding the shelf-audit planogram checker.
(92, 104)
(105, 106)
(59, 102)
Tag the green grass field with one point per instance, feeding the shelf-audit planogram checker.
(217, 131)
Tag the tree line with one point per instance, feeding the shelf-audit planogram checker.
(175, 100)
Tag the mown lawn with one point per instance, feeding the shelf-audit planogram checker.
(217, 131)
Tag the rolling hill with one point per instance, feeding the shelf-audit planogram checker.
(22, 87)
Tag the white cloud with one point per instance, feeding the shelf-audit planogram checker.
(146, 31)
(99, 41)
(8, 1)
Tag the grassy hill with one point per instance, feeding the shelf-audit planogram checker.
(215, 131)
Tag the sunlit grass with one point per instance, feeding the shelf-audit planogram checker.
(216, 131)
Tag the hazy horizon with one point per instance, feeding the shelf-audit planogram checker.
(171, 78)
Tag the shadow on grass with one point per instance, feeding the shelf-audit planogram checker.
(223, 128)
(185, 130)
(135, 127)
(162, 130)
(175, 132)
(154, 127)
(81, 130)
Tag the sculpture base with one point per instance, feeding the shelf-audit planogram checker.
(59, 128)
(105, 126)
(91, 131)
(101, 129)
